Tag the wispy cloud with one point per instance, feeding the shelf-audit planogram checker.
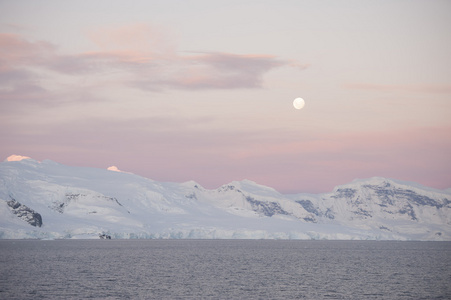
(136, 56)
(209, 71)
(16, 52)
(19, 81)
(420, 88)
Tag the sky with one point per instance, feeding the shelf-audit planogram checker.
(203, 90)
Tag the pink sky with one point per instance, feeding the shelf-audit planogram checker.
(178, 92)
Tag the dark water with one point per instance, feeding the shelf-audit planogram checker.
(224, 269)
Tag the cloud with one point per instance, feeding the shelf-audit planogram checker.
(209, 71)
(150, 56)
(19, 80)
(32, 58)
(24, 92)
(16, 51)
(139, 38)
(136, 56)
(420, 88)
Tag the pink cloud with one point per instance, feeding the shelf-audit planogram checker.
(210, 71)
(19, 83)
(16, 51)
(18, 54)
(139, 38)
(143, 57)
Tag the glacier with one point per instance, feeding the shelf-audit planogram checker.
(48, 200)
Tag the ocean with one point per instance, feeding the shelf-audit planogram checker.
(224, 269)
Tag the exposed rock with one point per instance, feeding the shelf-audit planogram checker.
(105, 236)
(266, 208)
(25, 213)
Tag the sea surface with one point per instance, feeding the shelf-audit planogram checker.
(224, 269)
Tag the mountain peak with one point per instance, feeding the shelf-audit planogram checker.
(384, 182)
(16, 157)
(192, 183)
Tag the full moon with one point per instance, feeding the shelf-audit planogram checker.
(298, 103)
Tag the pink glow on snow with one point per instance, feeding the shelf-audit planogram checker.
(16, 157)
(113, 168)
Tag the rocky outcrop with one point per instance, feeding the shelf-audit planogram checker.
(25, 213)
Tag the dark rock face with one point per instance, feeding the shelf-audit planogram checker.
(345, 193)
(388, 194)
(390, 197)
(266, 208)
(105, 236)
(25, 213)
(329, 214)
(228, 188)
(408, 210)
(308, 206)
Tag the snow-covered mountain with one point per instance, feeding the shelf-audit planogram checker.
(50, 200)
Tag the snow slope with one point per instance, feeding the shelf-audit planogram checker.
(50, 200)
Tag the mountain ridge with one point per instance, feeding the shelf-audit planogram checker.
(80, 202)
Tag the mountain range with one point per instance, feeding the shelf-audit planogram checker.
(48, 200)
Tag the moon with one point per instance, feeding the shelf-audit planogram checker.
(298, 103)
